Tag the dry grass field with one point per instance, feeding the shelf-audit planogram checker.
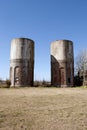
(43, 109)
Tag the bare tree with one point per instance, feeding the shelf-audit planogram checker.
(81, 61)
(81, 65)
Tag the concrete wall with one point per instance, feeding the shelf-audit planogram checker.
(22, 62)
(62, 63)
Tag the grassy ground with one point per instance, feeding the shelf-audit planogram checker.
(43, 109)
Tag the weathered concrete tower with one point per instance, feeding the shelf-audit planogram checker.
(62, 63)
(22, 62)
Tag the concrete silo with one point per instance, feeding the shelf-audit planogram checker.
(22, 62)
(62, 63)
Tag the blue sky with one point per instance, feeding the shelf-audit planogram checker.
(43, 21)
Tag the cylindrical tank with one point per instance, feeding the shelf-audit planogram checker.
(22, 62)
(62, 63)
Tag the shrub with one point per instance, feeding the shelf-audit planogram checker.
(8, 83)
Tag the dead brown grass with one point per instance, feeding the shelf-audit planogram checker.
(43, 109)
